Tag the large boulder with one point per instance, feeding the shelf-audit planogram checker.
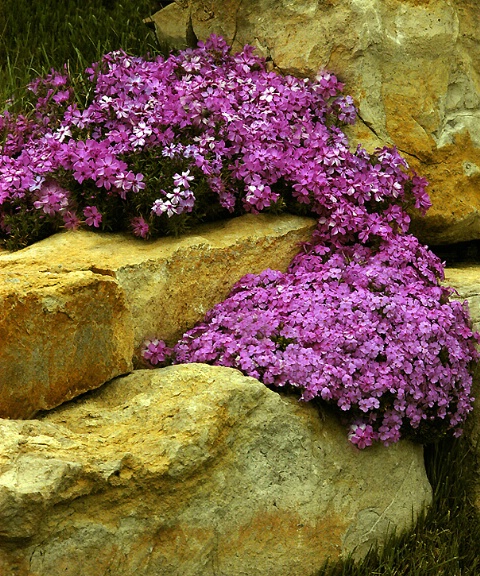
(76, 307)
(412, 67)
(195, 470)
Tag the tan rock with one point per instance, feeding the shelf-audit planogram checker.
(191, 470)
(170, 283)
(75, 307)
(412, 67)
(466, 281)
(173, 27)
(454, 176)
(60, 335)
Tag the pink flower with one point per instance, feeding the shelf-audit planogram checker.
(71, 220)
(156, 351)
(52, 199)
(92, 216)
(361, 435)
(140, 227)
(183, 179)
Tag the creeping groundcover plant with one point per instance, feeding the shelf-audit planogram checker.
(153, 146)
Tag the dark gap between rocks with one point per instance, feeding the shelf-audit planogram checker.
(460, 253)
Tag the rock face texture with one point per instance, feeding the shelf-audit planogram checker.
(75, 307)
(412, 67)
(466, 281)
(60, 335)
(194, 470)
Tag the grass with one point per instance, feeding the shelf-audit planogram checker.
(37, 35)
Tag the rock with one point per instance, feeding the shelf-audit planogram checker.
(173, 27)
(76, 307)
(381, 50)
(60, 335)
(191, 470)
(466, 281)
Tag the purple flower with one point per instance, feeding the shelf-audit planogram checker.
(217, 122)
(362, 435)
(155, 351)
(359, 319)
(183, 179)
(371, 331)
(71, 220)
(92, 216)
(140, 227)
(52, 199)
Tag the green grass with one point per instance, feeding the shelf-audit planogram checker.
(446, 539)
(36, 35)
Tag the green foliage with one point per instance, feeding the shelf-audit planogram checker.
(37, 35)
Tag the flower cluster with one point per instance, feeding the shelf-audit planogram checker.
(153, 146)
(359, 319)
(368, 330)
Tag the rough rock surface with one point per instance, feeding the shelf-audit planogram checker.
(412, 67)
(466, 281)
(194, 470)
(173, 27)
(75, 307)
(60, 335)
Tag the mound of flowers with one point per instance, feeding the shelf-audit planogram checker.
(154, 146)
(370, 331)
(359, 320)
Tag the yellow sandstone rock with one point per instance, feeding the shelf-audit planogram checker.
(76, 307)
(195, 470)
